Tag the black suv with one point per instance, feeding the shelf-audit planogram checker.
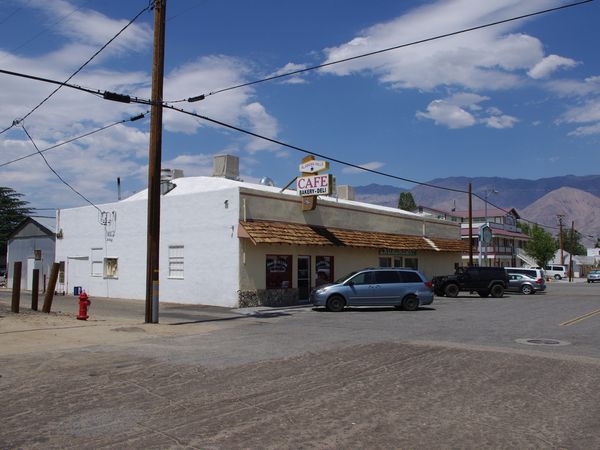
(483, 280)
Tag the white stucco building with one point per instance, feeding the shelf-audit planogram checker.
(230, 243)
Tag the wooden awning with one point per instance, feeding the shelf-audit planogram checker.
(267, 232)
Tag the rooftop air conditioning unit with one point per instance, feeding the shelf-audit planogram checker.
(226, 166)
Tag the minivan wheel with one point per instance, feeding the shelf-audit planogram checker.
(497, 291)
(335, 304)
(451, 290)
(526, 289)
(557, 277)
(410, 303)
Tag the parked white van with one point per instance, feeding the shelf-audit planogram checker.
(557, 272)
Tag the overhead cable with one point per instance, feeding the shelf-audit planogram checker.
(128, 99)
(55, 172)
(17, 121)
(76, 138)
(376, 52)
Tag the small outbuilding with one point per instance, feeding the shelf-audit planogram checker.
(33, 244)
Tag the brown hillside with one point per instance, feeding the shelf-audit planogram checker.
(576, 205)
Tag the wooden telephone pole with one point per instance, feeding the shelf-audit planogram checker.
(154, 160)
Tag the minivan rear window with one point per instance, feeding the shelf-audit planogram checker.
(410, 277)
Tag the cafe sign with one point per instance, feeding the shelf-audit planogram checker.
(314, 185)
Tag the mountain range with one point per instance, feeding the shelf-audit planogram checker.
(577, 198)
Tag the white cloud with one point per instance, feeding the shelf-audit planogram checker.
(447, 114)
(291, 79)
(586, 131)
(93, 28)
(500, 121)
(462, 110)
(236, 107)
(550, 64)
(577, 88)
(373, 165)
(492, 58)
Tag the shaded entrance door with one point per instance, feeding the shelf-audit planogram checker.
(303, 277)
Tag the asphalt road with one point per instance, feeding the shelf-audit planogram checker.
(453, 375)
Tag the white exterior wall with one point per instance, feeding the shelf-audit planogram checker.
(200, 222)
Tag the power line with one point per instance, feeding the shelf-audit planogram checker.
(356, 166)
(128, 99)
(308, 152)
(81, 136)
(376, 52)
(16, 121)
(44, 30)
(55, 172)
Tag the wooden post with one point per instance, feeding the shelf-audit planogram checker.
(16, 288)
(154, 161)
(51, 286)
(35, 288)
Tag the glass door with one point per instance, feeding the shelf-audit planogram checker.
(303, 277)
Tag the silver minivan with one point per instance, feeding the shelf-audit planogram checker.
(400, 287)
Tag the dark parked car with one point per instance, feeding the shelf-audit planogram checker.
(526, 285)
(402, 288)
(483, 280)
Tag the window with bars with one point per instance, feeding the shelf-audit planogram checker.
(176, 261)
(111, 266)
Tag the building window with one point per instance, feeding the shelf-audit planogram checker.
(111, 266)
(324, 265)
(411, 263)
(389, 261)
(176, 261)
(279, 271)
(37, 255)
(97, 262)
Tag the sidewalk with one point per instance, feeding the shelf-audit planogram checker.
(111, 322)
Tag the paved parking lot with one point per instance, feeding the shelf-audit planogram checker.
(456, 374)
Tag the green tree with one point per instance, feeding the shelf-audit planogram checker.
(12, 211)
(406, 202)
(574, 246)
(542, 246)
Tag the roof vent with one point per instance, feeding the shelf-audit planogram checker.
(226, 166)
(266, 181)
(166, 179)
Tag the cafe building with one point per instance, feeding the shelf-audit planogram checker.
(230, 243)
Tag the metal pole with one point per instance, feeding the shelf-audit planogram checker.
(16, 288)
(154, 160)
(486, 222)
(35, 288)
(560, 238)
(571, 252)
(470, 227)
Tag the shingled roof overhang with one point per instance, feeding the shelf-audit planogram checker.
(268, 232)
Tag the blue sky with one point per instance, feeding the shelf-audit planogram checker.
(519, 100)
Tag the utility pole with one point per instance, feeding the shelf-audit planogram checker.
(560, 237)
(470, 227)
(154, 161)
(571, 252)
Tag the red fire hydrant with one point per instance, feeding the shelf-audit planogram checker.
(84, 304)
